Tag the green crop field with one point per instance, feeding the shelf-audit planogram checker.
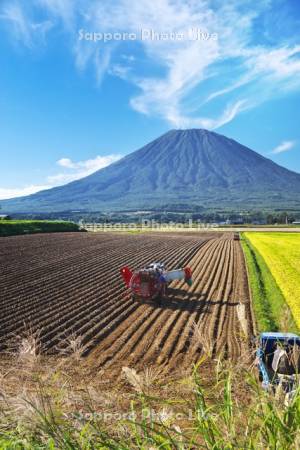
(15, 227)
(281, 254)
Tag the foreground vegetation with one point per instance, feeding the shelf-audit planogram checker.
(16, 227)
(271, 310)
(54, 406)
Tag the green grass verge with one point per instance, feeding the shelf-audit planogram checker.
(16, 227)
(270, 308)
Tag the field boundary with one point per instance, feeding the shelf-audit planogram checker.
(253, 316)
(271, 311)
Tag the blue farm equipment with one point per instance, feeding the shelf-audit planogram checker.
(278, 361)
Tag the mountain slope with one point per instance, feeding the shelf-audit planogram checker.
(182, 166)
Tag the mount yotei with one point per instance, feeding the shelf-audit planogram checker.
(191, 167)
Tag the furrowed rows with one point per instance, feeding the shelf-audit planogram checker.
(68, 284)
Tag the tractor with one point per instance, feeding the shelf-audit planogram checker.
(149, 284)
(278, 362)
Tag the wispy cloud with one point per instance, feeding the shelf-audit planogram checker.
(206, 82)
(186, 66)
(63, 9)
(230, 111)
(120, 70)
(73, 171)
(285, 146)
(21, 27)
(102, 62)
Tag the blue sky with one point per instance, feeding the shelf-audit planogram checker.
(84, 82)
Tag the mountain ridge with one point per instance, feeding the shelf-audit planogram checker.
(182, 166)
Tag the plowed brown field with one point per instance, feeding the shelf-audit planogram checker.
(69, 284)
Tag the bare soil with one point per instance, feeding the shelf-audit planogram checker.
(63, 285)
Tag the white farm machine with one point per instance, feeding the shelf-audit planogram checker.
(150, 283)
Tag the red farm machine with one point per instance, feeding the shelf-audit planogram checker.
(150, 283)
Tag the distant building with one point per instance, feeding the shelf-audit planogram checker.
(4, 217)
(296, 222)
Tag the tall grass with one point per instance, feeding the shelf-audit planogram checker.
(231, 412)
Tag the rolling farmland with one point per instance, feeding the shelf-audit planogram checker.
(69, 284)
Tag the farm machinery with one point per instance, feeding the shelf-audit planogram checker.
(278, 362)
(150, 283)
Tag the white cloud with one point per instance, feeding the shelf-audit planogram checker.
(280, 63)
(120, 71)
(184, 62)
(285, 146)
(80, 169)
(179, 92)
(102, 61)
(21, 27)
(76, 170)
(186, 65)
(6, 193)
(128, 58)
(66, 162)
(90, 165)
(14, 15)
(226, 116)
(64, 9)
